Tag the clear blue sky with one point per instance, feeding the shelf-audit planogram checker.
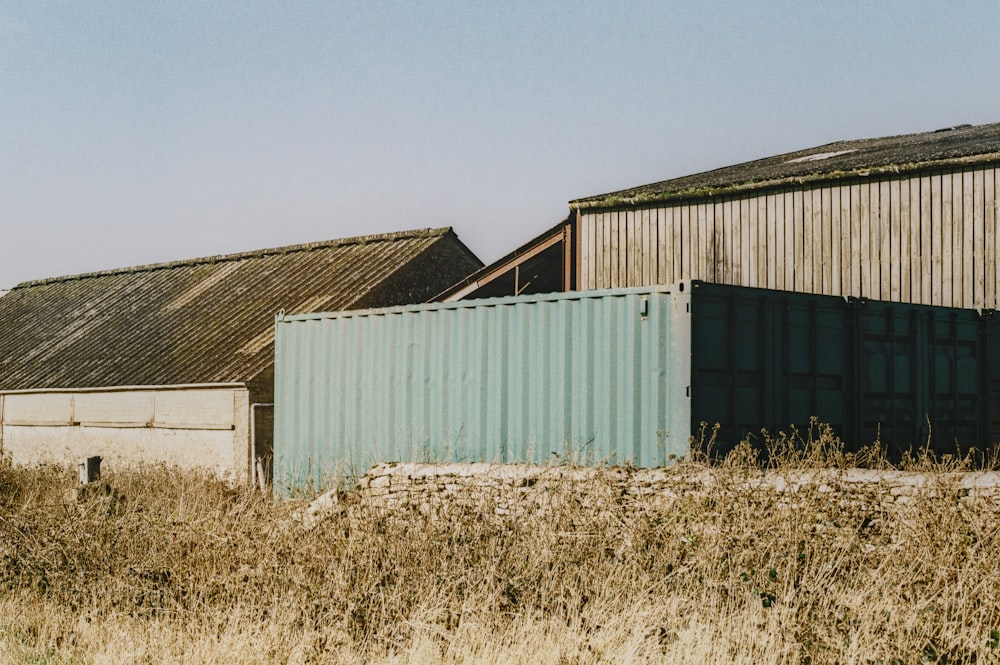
(137, 132)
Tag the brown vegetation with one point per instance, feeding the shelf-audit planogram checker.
(165, 566)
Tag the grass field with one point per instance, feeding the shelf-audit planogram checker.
(178, 567)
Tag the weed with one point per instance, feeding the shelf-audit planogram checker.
(171, 566)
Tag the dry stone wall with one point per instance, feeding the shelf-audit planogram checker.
(512, 488)
(506, 491)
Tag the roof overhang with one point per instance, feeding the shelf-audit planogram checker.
(538, 266)
(121, 389)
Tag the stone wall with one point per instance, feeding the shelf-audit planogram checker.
(511, 488)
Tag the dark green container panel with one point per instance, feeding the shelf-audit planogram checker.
(902, 375)
(767, 360)
(924, 377)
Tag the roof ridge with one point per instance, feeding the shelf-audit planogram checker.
(257, 253)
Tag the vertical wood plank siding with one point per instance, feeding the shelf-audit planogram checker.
(930, 238)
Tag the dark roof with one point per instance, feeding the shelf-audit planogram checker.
(946, 148)
(208, 320)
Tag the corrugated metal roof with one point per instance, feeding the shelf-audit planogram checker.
(952, 147)
(211, 319)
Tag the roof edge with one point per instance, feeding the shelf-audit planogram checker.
(118, 389)
(258, 253)
(613, 200)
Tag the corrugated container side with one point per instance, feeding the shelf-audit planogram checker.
(902, 375)
(924, 377)
(768, 360)
(589, 377)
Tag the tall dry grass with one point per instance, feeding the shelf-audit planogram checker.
(176, 567)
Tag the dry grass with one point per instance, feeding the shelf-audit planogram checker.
(176, 567)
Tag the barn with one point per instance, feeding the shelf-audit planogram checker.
(909, 219)
(840, 282)
(174, 362)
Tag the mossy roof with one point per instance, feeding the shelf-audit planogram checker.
(207, 320)
(954, 147)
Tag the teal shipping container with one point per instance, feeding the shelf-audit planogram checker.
(621, 376)
(592, 377)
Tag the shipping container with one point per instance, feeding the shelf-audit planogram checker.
(621, 376)
(588, 377)
(900, 375)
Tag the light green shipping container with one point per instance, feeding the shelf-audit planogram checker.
(591, 377)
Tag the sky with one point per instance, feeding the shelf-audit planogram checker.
(142, 132)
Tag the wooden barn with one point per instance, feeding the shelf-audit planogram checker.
(175, 362)
(908, 218)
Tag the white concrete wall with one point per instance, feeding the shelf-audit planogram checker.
(204, 427)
